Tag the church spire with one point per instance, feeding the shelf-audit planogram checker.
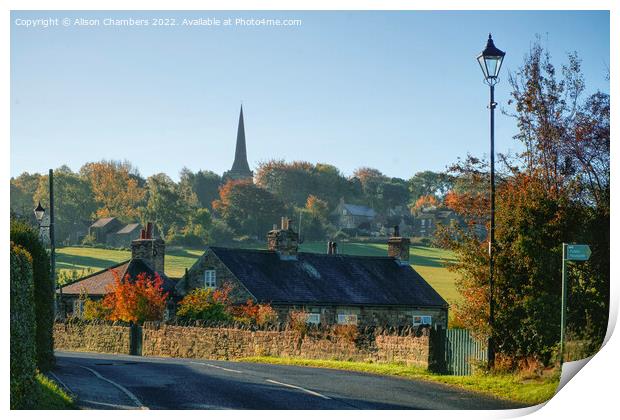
(240, 168)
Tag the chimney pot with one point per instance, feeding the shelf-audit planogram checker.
(284, 241)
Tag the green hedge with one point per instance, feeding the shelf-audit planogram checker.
(27, 237)
(23, 347)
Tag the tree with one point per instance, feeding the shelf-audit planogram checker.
(73, 201)
(22, 191)
(117, 188)
(429, 183)
(138, 300)
(247, 208)
(543, 199)
(166, 206)
(205, 184)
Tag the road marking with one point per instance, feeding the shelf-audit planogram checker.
(216, 367)
(109, 405)
(316, 394)
(62, 384)
(131, 396)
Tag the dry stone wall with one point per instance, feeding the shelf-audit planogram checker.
(96, 337)
(229, 343)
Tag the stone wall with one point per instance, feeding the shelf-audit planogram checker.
(412, 347)
(92, 337)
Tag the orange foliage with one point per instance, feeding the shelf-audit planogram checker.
(256, 313)
(424, 202)
(138, 300)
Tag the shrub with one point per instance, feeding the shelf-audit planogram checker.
(95, 309)
(220, 233)
(298, 321)
(205, 304)
(138, 300)
(27, 237)
(257, 314)
(349, 332)
(23, 327)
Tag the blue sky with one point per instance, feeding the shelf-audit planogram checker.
(398, 91)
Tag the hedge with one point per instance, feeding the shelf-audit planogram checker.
(27, 237)
(23, 347)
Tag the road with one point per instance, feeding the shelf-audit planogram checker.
(103, 381)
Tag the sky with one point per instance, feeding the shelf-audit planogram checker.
(397, 91)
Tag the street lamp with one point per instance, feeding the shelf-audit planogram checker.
(39, 212)
(490, 61)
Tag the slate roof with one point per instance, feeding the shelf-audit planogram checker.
(129, 228)
(96, 284)
(356, 210)
(328, 279)
(102, 222)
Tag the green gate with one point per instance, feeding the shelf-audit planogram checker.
(462, 351)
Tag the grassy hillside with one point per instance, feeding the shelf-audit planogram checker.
(426, 261)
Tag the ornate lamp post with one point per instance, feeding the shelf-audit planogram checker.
(39, 212)
(490, 61)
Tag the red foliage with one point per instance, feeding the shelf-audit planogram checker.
(141, 299)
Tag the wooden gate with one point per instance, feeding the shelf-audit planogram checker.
(462, 351)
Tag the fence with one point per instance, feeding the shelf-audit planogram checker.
(462, 351)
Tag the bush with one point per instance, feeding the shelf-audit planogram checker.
(348, 332)
(26, 236)
(23, 327)
(95, 309)
(138, 300)
(257, 314)
(205, 304)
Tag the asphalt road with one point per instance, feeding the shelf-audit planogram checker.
(102, 381)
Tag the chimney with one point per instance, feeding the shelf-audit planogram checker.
(148, 249)
(398, 247)
(284, 241)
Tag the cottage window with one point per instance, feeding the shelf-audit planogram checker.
(78, 308)
(313, 319)
(347, 319)
(422, 320)
(210, 279)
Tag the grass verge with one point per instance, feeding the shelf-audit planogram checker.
(48, 395)
(505, 386)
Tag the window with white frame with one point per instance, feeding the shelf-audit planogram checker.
(422, 320)
(347, 319)
(313, 318)
(209, 280)
(78, 308)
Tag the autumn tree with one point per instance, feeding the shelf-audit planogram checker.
(552, 192)
(247, 208)
(117, 188)
(136, 299)
(23, 189)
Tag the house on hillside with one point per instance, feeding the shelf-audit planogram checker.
(147, 256)
(329, 288)
(102, 228)
(125, 235)
(353, 216)
(425, 222)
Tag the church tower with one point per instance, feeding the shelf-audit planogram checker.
(240, 168)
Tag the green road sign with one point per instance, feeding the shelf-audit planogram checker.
(578, 252)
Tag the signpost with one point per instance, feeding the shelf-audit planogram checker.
(570, 252)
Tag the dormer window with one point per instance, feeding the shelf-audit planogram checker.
(209, 279)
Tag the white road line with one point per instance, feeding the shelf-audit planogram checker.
(316, 394)
(216, 367)
(62, 384)
(131, 396)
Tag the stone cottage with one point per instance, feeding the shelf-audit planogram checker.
(147, 256)
(104, 227)
(353, 216)
(329, 288)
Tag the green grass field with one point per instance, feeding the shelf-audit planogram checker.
(429, 262)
